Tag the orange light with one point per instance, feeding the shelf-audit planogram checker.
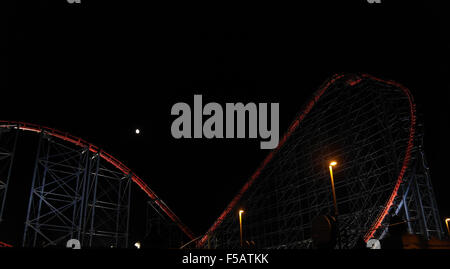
(448, 228)
(333, 163)
(240, 225)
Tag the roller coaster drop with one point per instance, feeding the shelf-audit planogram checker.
(369, 125)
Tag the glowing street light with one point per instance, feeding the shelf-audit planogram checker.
(333, 163)
(137, 245)
(447, 220)
(240, 223)
(336, 213)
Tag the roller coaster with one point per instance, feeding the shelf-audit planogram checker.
(368, 125)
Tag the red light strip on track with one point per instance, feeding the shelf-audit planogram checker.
(406, 160)
(269, 157)
(107, 157)
(4, 245)
(351, 81)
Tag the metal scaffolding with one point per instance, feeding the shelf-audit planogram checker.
(74, 196)
(99, 181)
(107, 213)
(8, 142)
(416, 202)
(368, 126)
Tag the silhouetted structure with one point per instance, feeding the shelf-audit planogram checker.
(369, 126)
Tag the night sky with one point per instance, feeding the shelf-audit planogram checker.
(101, 69)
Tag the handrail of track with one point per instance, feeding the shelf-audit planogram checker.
(316, 96)
(107, 157)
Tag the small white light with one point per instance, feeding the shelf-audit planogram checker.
(374, 244)
(137, 245)
(138, 131)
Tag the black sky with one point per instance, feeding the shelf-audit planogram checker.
(103, 68)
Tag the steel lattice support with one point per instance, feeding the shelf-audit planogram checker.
(416, 203)
(8, 142)
(108, 196)
(112, 164)
(369, 127)
(73, 196)
(56, 197)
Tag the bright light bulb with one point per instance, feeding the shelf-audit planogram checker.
(138, 131)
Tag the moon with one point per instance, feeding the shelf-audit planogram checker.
(138, 131)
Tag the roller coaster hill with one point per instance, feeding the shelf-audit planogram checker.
(368, 126)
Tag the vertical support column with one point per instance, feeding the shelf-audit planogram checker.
(432, 199)
(418, 203)
(107, 206)
(94, 199)
(118, 209)
(56, 195)
(6, 162)
(79, 194)
(430, 222)
(40, 189)
(129, 184)
(406, 207)
(83, 195)
(421, 212)
(33, 184)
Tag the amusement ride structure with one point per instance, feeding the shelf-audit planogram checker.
(367, 126)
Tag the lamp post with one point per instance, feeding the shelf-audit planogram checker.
(447, 220)
(333, 163)
(336, 212)
(240, 224)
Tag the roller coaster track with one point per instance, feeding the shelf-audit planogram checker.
(107, 157)
(4, 245)
(351, 80)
